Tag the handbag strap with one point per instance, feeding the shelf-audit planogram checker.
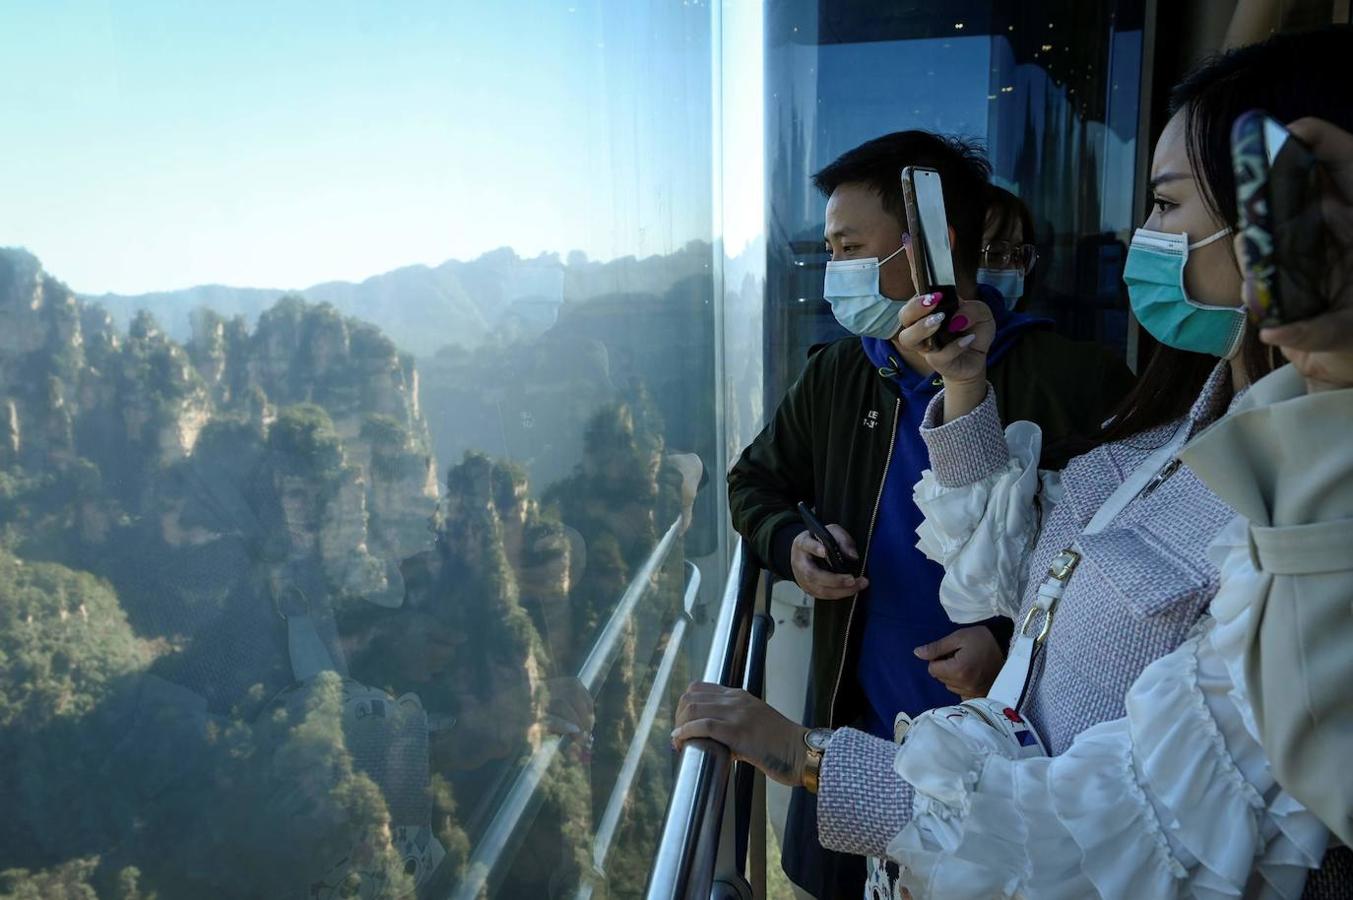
(1013, 679)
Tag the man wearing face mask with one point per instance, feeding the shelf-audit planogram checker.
(846, 439)
(1008, 252)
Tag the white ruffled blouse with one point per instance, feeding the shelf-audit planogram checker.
(1174, 800)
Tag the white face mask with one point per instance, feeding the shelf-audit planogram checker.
(851, 286)
(1010, 282)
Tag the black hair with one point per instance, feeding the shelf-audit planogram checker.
(1005, 210)
(963, 169)
(1289, 76)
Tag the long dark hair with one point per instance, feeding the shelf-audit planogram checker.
(1289, 76)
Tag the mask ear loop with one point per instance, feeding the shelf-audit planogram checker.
(1238, 333)
(895, 252)
(907, 241)
(1211, 238)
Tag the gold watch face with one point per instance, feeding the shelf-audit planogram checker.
(818, 739)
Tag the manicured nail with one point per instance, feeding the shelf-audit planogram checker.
(966, 341)
(935, 319)
(958, 323)
(930, 299)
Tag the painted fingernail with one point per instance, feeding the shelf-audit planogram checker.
(966, 340)
(935, 319)
(930, 299)
(959, 323)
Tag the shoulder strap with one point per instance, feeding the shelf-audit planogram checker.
(1013, 679)
(1139, 478)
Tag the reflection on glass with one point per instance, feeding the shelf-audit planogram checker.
(363, 589)
(1050, 88)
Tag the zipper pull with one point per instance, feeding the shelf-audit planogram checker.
(1170, 468)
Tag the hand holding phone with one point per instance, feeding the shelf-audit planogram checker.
(836, 560)
(932, 260)
(1321, 348)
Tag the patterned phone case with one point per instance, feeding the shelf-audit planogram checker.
(1249, 157)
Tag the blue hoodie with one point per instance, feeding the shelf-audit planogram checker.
(901, 609)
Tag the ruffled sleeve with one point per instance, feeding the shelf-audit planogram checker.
(1174, 800)
(982, 499)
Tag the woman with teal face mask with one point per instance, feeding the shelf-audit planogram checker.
(1115, 755)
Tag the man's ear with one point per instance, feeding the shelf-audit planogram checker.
(953, 238)
(911, 263)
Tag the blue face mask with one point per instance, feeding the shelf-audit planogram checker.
(1154, 274)
(1010, 282)
(851, 286)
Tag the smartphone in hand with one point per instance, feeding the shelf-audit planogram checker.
(1279, 185)
(932, 258)
(836, 560)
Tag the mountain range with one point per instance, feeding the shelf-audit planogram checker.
(425, 308)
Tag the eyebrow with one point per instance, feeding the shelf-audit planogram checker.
(1166, 178)
(839, 233)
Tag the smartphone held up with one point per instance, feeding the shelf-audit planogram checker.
(1279, 189)
(932, 261)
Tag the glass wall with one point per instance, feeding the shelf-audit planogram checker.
(1050, 89)
(361, 437)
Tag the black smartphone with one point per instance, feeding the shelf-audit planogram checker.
(1278, 191)
(836, 560)
(932, 258)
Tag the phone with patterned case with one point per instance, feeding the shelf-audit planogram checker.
(1278, 193)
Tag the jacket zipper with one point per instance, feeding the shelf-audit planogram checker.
(869, 538)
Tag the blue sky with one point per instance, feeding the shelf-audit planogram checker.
(156, 145)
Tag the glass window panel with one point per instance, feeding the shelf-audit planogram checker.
(361, 437)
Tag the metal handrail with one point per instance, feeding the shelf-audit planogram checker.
(488, 853)
(744, 775)
(629, 767)
(683, 868)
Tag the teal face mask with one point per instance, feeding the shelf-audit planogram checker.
(851, 286)
(1154, 274)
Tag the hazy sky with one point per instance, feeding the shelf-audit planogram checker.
(154, 145)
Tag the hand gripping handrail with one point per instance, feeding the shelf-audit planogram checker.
(489, 852)
(684, 868)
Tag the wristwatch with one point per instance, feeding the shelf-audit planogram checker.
(816, 740)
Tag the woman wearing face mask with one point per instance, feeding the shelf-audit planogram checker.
(1156, 784)
(1008, 252)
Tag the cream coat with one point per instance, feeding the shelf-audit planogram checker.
(1284, 461)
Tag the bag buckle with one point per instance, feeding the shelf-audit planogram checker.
(1063, 564)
